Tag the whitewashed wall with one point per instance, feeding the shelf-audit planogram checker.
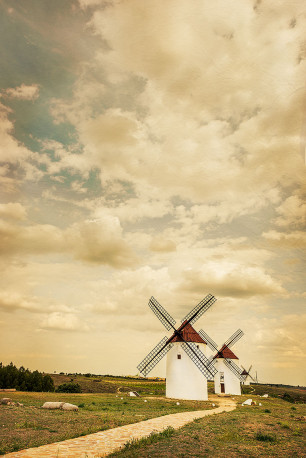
(231, 382)
(183, 379)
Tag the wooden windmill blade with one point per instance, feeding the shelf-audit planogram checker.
(155, 355)
(234, 338)
(164, 317)
(235, 369)
(199, 359)
(199, 309)
(210, 342)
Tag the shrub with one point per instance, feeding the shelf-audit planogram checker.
(265, 437)
(267, 411)
(287, 397)
(69, 388)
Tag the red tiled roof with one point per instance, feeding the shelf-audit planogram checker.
(188, 333)
(225, 352)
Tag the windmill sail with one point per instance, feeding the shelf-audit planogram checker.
(164, 317)
(210, 342)
(199, 359)
(155, 355)
(199, 309)
(234, 338)
(235, 369)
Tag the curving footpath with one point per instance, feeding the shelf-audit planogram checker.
(105, 442)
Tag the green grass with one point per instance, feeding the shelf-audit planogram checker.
(248, 431)
(31, 426)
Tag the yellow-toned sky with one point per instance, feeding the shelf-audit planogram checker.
(152, 148)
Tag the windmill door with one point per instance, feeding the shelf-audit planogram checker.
(222, 382)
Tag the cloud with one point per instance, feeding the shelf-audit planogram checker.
(59, 321)
(292, 212)
(23, 92)
(162, 245)
(11, 301)
(93, 242)
(230, 281)
(295, 239)
(13, 210)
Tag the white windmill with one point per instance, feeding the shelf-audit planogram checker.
(185, 349)
(248, 376)
(229, 375)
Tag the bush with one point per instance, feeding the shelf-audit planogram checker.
(69, 388)
(265, 437)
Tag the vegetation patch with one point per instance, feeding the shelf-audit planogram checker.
(264, 437)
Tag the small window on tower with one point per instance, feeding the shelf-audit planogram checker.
(197, 346)
(179, 356)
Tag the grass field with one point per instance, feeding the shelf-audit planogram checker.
(274, 429)
(31, 426)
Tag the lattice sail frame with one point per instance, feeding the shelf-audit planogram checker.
(164, 317)
(210, 342)
(155, 355)
(234, 338)
(199, 309)
(235, 369)
(199, 359)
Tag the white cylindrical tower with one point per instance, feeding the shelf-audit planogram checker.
(225, 380)
(183, 379)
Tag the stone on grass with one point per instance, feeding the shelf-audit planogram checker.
(248, 402)
(53, 405)
(68, 406)
(6, 401)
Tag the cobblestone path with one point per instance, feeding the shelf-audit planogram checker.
(105, 442)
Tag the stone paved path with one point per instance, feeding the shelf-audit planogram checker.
(105, 442)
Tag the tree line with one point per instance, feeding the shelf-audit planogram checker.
(23, 379)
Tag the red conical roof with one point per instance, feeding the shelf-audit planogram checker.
(188, 335)
(225, 352)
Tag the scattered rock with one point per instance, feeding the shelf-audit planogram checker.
(6, 401)
(177, 403)
(68, 406)
(213, 405)
(260, 404)
(265, 396)
(59, 405)
(248, 402)
(134, 393)
(53, 405)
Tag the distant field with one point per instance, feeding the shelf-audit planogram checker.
(101, 407)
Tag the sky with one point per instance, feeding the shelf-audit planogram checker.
(152, 148)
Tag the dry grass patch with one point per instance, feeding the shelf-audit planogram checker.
(31, 426)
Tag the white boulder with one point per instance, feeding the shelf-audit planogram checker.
(53, 405)
(68, 406)
(248, 402)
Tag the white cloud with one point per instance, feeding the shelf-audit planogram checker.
(12, 301)
(59, 321)
(13, 210)
(230, 280)
(23, 92)
(99, 242)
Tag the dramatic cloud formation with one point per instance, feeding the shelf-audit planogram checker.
(151, 148)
